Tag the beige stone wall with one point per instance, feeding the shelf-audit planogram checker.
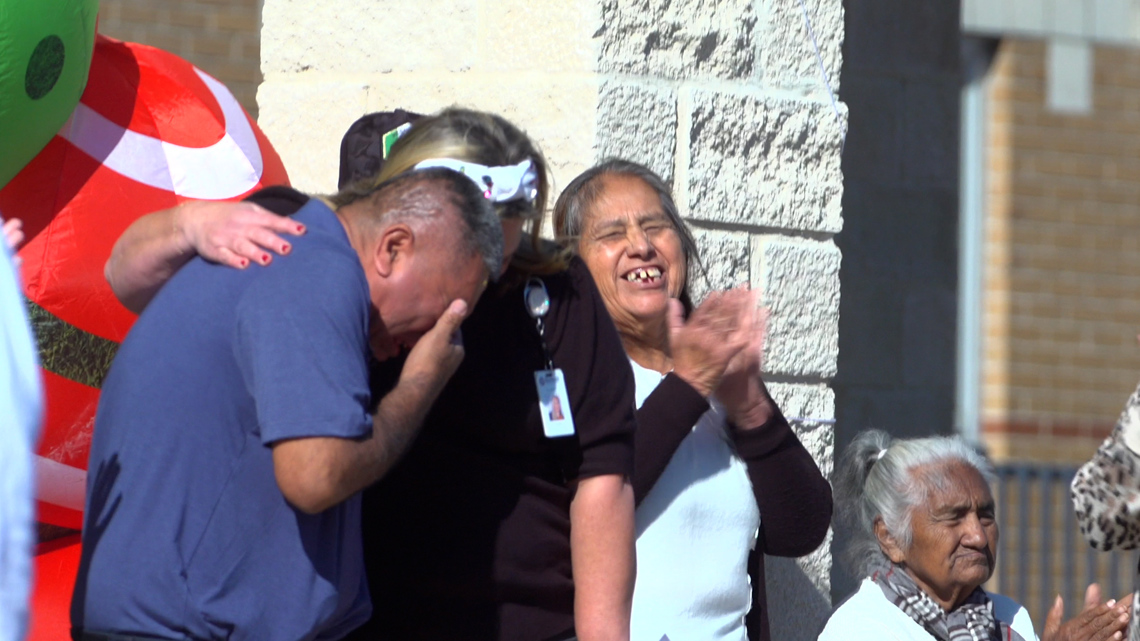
(725, 98)
(222, 37)
(1062, 308)
(327, 63)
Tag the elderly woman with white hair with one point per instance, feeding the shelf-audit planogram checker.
(924, 534)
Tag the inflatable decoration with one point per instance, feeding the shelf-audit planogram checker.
(45, 50)
(56, 564)
(150, 132)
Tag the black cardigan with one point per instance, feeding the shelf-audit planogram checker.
(793, 497)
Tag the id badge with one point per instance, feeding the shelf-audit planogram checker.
(554, 403)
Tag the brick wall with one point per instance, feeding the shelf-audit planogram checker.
(1062, 284)
(222, 37)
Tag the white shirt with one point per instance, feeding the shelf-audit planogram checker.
(869, 616)
(694, 532)
(21, 406)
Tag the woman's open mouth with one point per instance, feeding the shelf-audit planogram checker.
(648, 275)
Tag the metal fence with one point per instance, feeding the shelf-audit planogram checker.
(1041, 552)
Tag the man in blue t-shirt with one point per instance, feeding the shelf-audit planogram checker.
(234, 431)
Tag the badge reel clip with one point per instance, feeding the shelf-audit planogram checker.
(554, 403)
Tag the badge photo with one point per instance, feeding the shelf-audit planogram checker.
(554, 403)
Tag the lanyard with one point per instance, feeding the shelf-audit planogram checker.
(537, 302)
(549, 383)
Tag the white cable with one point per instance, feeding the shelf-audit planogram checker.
(826, 80)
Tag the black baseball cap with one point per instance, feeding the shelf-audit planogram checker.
(362, 148)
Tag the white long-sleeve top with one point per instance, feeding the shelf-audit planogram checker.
(695, 530)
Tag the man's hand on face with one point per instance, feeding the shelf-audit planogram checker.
(437, 355)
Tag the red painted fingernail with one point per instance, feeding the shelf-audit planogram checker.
(265, 258)
(300, 228)
(284, 249)
(243, 262)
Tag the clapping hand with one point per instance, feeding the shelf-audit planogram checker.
(1096, 622)
(703, 346)
(742, 391)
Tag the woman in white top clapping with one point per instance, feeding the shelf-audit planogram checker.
(719, 476)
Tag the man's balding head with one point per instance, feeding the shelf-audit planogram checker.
(434, 196)
(425, 238)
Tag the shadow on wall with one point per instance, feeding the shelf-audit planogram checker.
(797, 610)
(901, 81)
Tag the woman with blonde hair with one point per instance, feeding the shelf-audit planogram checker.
(495, 525)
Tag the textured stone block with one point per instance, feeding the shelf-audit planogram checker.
(766, 161)
(799, 602)
(799, 589)
(818, 436)
(788, 52)
(377, 37)
(800, 285)
(305, 122)
(513, 40)
(810, 409)
(680, 39)
(725, 258)
(638, 123)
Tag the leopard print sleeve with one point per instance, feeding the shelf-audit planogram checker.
(1106, 490)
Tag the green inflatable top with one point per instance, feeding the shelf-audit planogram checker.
(45, 52)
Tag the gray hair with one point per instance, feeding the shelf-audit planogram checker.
(423, 195)
(583, 191)
(875, 479)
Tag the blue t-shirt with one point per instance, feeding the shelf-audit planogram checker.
(187, 533)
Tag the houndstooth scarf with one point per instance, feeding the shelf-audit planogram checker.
(971, 621)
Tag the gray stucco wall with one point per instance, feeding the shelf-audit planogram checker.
(901, 83)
